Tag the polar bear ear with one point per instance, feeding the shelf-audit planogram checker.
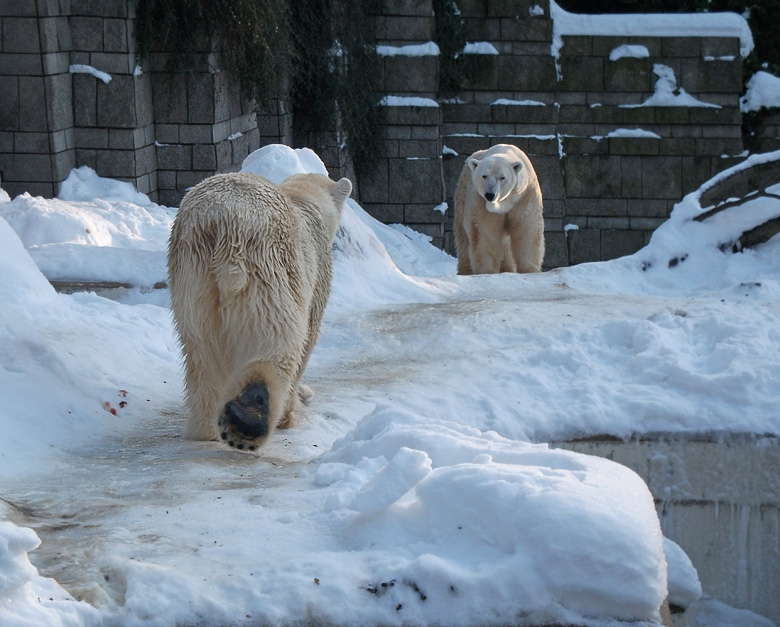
(473, 163)
(341, 191)
(517, 166)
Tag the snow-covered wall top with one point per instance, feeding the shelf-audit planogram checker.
(651, 25)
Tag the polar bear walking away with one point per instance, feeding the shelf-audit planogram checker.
(498, 213)
(249, 271)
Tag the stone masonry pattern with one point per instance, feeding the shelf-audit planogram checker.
(610, 170)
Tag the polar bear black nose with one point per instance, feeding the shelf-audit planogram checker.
(489, 196)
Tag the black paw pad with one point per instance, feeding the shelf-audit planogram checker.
(245, 417)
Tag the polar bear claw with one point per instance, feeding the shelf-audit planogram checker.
(244, 420)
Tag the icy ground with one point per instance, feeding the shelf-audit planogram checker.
(417, 488)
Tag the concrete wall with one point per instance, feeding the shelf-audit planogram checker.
(718, 497)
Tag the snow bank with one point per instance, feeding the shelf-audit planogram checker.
(393, 482)
(685, 256)
(64, 360)
(28, 600)
(96, 228)
(684, 585)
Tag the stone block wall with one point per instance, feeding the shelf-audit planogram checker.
(37, 142)
(202, 125)
(73, 93)
(408, 186)
(610, 165)
(625, 162)
(611, 162)
(113, 121)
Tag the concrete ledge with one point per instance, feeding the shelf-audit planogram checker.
(718, 497)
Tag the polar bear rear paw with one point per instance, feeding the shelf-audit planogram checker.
(305, 393)
(243, 423)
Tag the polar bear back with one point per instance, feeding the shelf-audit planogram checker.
(219, 229)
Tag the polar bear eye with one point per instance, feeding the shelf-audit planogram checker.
(503, 178)
(484, 176)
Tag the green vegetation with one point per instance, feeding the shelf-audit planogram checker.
(451, 38)
(253, 38)
(318, 56)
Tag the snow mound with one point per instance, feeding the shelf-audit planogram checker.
(364, 272)
(393, 482)
(28, 600)
(687, 255)
(97, 230)
(684, 584)
(763, 92)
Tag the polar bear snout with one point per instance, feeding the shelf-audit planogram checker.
(490, 196)
(245, 418)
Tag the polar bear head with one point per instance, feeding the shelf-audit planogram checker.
(317, 190)
(496, 177)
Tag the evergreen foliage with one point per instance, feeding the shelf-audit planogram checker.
(451, 39)
(252, 38)
(337, 74)
(318, 55)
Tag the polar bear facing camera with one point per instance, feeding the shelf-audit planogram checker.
(249, 272)
(498, 213)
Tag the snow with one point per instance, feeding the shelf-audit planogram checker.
(517, 103)
(629, 52)
(80, 68)
(75, 236)
(418, 488)
(632, 132)
(428, 49)
(407, 101)
(25, 597)
(684, 584)
(480, 47)
(667, 94)
(650, 25)
(763, 92)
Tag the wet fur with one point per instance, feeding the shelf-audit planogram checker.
(505, 236)
(249, 270)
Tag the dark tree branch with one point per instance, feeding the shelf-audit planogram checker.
(758, 235)
(761, 193)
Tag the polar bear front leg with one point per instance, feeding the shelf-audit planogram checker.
(486, 252)
(527, 246)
